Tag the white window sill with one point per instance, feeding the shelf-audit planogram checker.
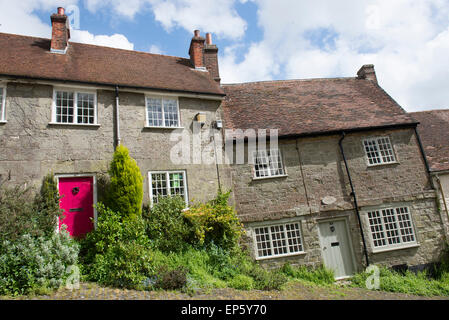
(382, 164)
(405, 246)
(161, 127)
(3, 121)
(282, 255)
(74, 124)
(270, 177)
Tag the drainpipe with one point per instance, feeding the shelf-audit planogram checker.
(356, 207)
(117, 116)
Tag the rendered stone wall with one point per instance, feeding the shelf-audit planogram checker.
(32, 147)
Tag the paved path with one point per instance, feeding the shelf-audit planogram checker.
(293, 291)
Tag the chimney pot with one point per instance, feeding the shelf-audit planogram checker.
(196, 33)
(61, 11)
(208, 38)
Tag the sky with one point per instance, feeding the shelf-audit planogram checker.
(406, 40)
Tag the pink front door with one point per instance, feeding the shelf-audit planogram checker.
(77, 202)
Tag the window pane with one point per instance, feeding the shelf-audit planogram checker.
(261, 164)
(177, 184)
(391, 227)
(276, 162)
(64, 107)
(158, 186)
(386, 150)
(86, 108)
(405, 225)
(372, 151)
(294, 237)
(171, 113)
(263, 242)
(278, 240)
(154, 110)
(377, 231)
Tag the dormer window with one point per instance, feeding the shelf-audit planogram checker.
(74, 107)
(162, 112)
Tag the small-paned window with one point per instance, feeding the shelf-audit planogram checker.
(73, 107)
(278, 240)
(268, 163)
(2, 104)
(162, 112)
(379, 151)
(170, 183)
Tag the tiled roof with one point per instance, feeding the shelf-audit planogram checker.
(316, 106)
(31, 57)
(434, 132)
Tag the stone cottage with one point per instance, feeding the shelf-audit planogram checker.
(345, 183)
(434, 131)
(65, 106)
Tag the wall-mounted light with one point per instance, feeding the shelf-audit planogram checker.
(201, 118)
(219, 124)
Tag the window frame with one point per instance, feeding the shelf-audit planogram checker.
(271, 176)
(75, 92)
(167, 178)
(375, 139)
(3, 104)
(162, 97)
(387, 246)
(270, 224)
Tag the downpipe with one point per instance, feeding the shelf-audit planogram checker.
(117, 116)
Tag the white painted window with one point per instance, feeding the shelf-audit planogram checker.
(162, 112)
(167, 183)
(391, 227)
(2, 103)
(379, 150)
(268, 163)
(278, 240)
(74, 107)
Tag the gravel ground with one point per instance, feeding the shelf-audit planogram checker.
(293, 291)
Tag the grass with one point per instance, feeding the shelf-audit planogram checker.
(320, 276)
(420, 283)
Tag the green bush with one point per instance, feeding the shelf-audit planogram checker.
(216, 221)
(117, 252)
(31, 263)
(22, 212)
(166, 226)
(267, 279)
(171, 279)
(125, 192)
(320, 275)
(241, 282)
(411, 283)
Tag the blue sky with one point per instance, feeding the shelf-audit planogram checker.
(406, 40)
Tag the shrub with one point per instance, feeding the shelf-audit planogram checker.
(241, 282)
(117, 252)
(125, 192)
(31, 263)
(166, 225)
(216, 221)
(267, 279)
(171, 279)
(320, 275)
(23, 213)
(411, 283)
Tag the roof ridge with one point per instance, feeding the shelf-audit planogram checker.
(97, 46)
(431, 110)
(287, 80)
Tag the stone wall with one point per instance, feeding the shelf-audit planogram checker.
(315, 170)
(32, 147)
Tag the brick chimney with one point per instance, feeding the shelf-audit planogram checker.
(196, 51)
(60, 33)
(367, 72)
(211, 58)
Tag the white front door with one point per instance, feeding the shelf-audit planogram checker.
(336, 248)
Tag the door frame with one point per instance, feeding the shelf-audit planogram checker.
(81, 175)
(345, 219)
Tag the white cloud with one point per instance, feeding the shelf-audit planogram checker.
(408, 41)
(156, 49)
(115, 41)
